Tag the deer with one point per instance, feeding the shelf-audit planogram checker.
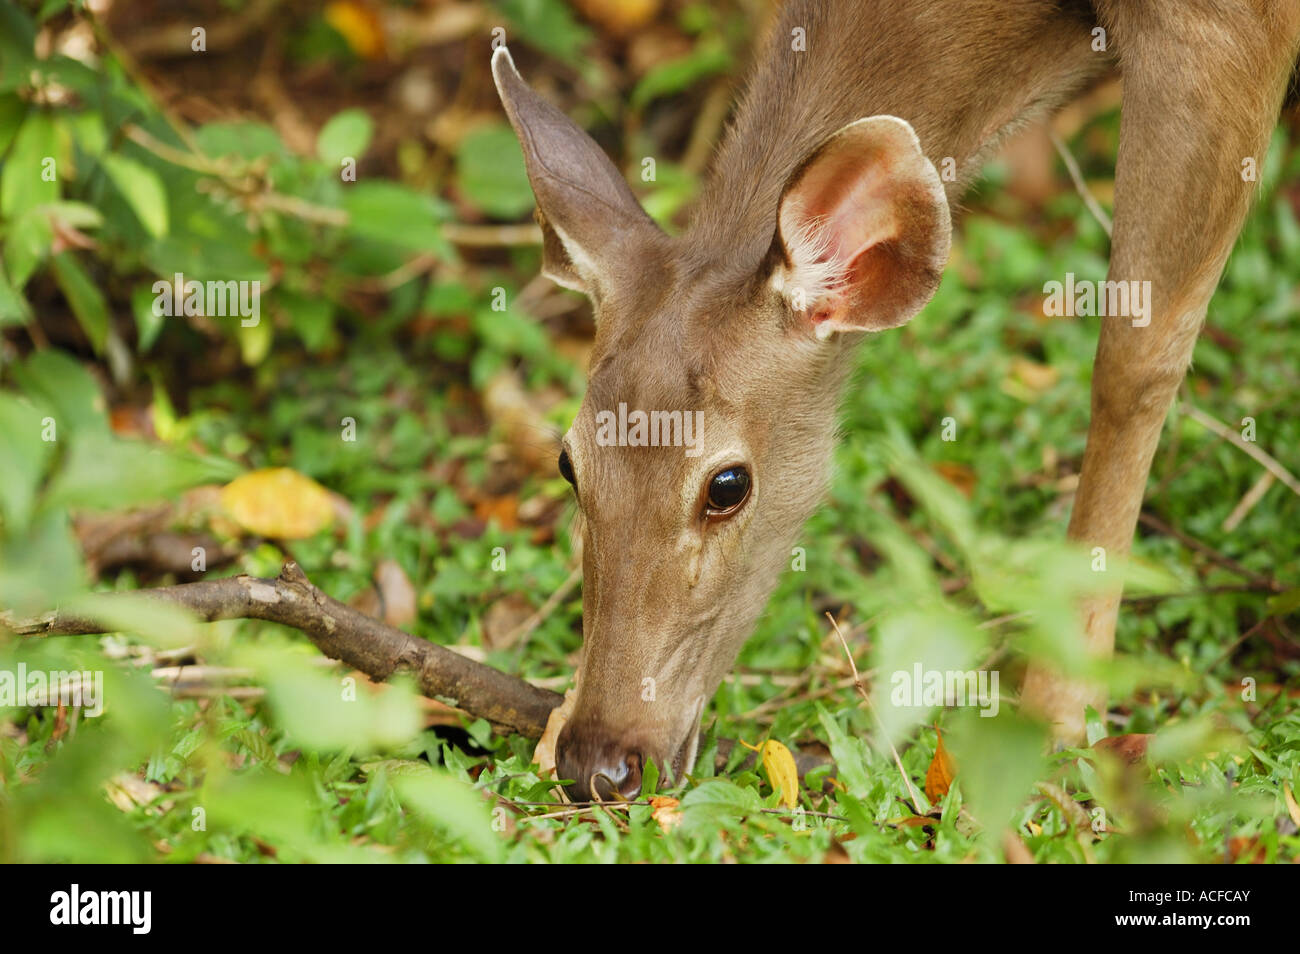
(823, 220)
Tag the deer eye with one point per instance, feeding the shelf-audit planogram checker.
(728, 490)
(566, 469)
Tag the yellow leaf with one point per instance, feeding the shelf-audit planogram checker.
(278, 502)
(620, 17)
(359, 25)
(1292, 808)
(782, 774)
(1029, 380)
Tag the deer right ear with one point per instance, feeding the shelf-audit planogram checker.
(592, 224)
(863, 229)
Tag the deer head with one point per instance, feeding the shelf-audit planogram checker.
(704, 440)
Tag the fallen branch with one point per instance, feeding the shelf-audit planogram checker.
(357, 640)
(342, 633)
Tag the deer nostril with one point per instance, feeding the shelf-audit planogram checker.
(630, 787)
(601, 773)
(621, 778)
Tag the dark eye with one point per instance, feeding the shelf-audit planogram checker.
(566, 469)
(728, 490)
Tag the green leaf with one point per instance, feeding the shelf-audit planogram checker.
(104, 473)
(312, 319)
(998, 759)
(161, 624)
(27, 180)
(143, 190)
(850, 753)
(79, 215)
(717, 802)
(27, 244)
(41, 567)
(490, 171)
(23, 458)
(709, 58)
(547, 25)
(147, 322)
(392, 213)
(1284, 603)
(14, 309)
(88, 132)
(17, 43)
(452, 806)
(254, 341)
(916, 649)
(62, 385)
(12, 112)
(243, 139)
(345, 136)
(324, 712)
(84, 297)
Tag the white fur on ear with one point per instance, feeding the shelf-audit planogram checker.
(814, 274)
(864, 226)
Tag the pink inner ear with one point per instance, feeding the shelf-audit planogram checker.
(849, 198)
(864, 225)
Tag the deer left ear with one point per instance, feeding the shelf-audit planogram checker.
(864, 229)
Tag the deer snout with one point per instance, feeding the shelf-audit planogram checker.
(599, 769)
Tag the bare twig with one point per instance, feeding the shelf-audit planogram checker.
(916, 801)
(1247, 503)
(1225, 561)
(342, 633)
(491, 236)
(1080, 186)
(1264, 459)
(528, 626)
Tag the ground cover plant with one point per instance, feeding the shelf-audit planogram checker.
(385, 414)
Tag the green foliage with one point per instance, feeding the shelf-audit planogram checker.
(313, 767)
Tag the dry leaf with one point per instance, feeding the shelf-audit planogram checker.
(1250, 849)
(128, 791)
(959, 475)
(278, 502)
(502, 621)
(519, 417)
(544, 754)
(1029, 380)
(665, 810)
(396, 593)
(504, 510)
(836, 855)
(1292, 808)
(942, 770)
(1128, 748)
(1015, 850)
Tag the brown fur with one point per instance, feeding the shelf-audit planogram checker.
(692, 322)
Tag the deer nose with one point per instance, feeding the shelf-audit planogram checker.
(598, 771)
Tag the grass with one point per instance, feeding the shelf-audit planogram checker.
(940, 542)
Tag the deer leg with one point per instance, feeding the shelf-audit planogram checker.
(1202, 90)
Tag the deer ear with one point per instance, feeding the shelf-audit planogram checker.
(592, 224)
(863, 229)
